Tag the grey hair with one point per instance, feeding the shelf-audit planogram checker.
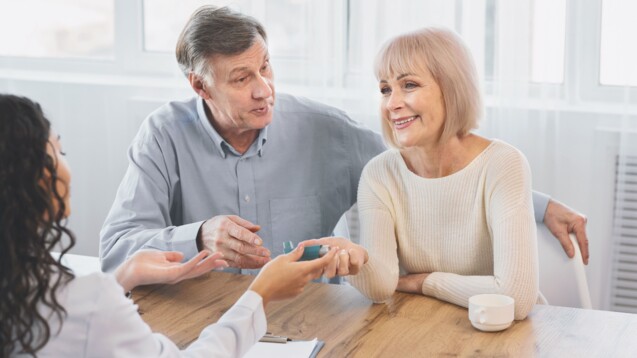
(212, 30)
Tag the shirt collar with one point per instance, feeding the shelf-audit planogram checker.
(221, 143)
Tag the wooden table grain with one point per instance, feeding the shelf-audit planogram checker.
(406, 326)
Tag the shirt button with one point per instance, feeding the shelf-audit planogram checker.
(247, 198)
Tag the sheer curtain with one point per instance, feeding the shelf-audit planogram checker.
(545, 67)
(547, 99)
(558, 75)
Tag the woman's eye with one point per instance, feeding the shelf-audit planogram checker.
(410, 85)
(385, 90)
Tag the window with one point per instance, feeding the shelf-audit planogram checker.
(57, 28)
(301, 34)
(164, 20)
(568, 46)
(618, 50)
(548, 29)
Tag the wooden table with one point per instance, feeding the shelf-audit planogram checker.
(407, 326)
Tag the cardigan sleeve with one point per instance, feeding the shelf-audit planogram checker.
(378, 278)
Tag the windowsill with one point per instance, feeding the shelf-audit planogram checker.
(564, 106)
(95, 78)
(322, 93)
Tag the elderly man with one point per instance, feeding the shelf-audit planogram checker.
(236, 171)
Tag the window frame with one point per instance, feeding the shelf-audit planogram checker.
(587, 31)
(581, 69)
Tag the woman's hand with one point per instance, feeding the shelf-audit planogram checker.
(285, 277)
(147, 267)
(411, 283)
(350, 258)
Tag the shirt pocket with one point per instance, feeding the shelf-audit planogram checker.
(294, 219)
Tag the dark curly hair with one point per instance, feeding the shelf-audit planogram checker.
(31, 224)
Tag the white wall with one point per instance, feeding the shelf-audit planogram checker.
(98, 117)
(97, 123)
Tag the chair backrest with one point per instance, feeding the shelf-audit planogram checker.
(562, 280)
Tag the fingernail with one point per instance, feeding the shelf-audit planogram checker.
(343, 252)
(257, 241)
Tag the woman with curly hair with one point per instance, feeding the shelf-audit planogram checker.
(46, 311)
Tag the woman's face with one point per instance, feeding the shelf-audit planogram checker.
(413, 105)
(54, 149)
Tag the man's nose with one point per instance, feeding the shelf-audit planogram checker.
(263, 88)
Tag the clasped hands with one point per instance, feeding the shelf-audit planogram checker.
(241, 247)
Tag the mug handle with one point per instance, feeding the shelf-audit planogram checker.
(481, 313)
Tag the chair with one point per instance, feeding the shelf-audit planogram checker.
(562, 280)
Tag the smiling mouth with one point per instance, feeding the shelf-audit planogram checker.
(263, 109)
(407, 120)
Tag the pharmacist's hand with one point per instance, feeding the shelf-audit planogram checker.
(147, 267)
(286, 277)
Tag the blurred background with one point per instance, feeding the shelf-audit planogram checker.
(559, 77)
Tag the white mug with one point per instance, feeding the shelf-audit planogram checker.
(491, 312)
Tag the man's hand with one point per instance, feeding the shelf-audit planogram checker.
(284, 277)
(147, 267)
(562, 220)
(235, 238)
(348, 261)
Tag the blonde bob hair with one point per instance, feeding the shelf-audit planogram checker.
(445, 56)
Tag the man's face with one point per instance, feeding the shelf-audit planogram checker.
(241, 95)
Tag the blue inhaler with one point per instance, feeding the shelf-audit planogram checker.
(309, 252)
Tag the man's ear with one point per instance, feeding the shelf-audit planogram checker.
(198, 85)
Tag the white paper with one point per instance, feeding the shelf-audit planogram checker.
(293, 349)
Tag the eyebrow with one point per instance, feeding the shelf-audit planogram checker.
(397, 78)
(236, 70)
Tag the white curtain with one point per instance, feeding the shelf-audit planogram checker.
(540, 63)
(556, 86)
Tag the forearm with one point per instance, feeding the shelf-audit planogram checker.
(378, 277)
(376, 280)
(457, 289)
(235, 332)
(142, 213)
(120, 241)
(411, 283)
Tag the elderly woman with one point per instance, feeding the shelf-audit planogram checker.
(47, 311)
(445, 213)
